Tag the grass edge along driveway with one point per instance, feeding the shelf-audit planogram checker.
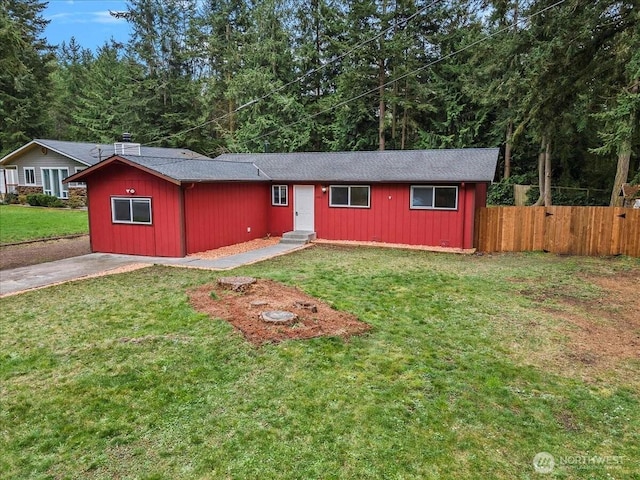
(19, 223)
(467, 373)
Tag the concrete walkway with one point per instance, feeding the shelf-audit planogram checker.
(51, 273)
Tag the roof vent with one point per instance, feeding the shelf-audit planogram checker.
(127, 148)
(126, 137)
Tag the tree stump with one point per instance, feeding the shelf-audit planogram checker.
(259, 303)
(278, 317)
(237, 284)
(306, 306)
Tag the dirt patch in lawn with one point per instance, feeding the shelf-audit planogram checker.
(25, 254)
(602, 331)
(243, 308)
(607, 328)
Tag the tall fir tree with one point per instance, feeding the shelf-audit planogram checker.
(109, 99)
(161, 41)
(70, 79)
(264, 87)
(25, 67)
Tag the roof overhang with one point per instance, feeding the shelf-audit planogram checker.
(410, 181)
(117, 159)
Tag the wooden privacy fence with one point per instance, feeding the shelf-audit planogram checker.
(591, 231)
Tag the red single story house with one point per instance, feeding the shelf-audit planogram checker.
(172, 207)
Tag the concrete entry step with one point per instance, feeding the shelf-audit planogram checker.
(298, 237)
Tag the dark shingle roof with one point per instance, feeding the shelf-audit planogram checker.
(458, 165)
(198, 169)
(410, 166)
(453, 165)
(92, 153)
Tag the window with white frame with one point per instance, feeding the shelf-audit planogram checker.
(131, 210)
(434, 197)
(356, 196)
(29, 176)
(52, 182)
(78, 184)
(279, 195)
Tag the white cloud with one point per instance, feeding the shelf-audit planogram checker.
(105, 17)
(102, 17)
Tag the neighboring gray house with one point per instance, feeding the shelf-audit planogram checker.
(41, 165)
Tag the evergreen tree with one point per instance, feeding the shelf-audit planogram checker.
(555, 81)
(264, 86)
(569, 69)
(221, 30)
(617, 59)
(317, 59)
(25, 68)
(110, 98)
(70, 79)
(161, 41)
(455, 118)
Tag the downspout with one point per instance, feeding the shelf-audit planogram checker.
(183, 220)
(89, 217)
(464, 212)
(474, 213)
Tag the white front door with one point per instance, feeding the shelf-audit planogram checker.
(303, 208)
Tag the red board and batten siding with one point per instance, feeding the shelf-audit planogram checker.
(202, 216)
(187, 219)
(163, 238)
(390, 218)
(220, 214)
(281, 216)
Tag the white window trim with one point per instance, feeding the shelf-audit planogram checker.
(131, 222)
(368, 205)
(64, 190)
(286, 195)
(433, 200)
(78, 184)
(31, 169)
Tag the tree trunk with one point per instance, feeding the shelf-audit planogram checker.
(382, 106)
(394, 104)
(507, 151)
(231, 104)
(394, 112)
(381, 81)
(316, 9)
(624, 159)
(541, 175)
(547, 175)
(622, 173)
(403, 139)
(507, 147)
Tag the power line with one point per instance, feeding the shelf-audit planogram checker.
(402, 23)
(413, 72)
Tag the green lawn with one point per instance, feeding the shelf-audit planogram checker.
(19, 223)
(464, 375)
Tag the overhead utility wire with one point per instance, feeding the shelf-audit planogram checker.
(391, 82)
(401, 23)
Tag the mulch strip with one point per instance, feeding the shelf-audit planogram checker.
(243, 309)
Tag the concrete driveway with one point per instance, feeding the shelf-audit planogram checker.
(51, 273)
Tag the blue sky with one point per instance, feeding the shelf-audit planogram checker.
(87, 20)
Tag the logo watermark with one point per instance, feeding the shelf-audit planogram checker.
(544, 462)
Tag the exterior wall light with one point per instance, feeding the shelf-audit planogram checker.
(130, 191)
